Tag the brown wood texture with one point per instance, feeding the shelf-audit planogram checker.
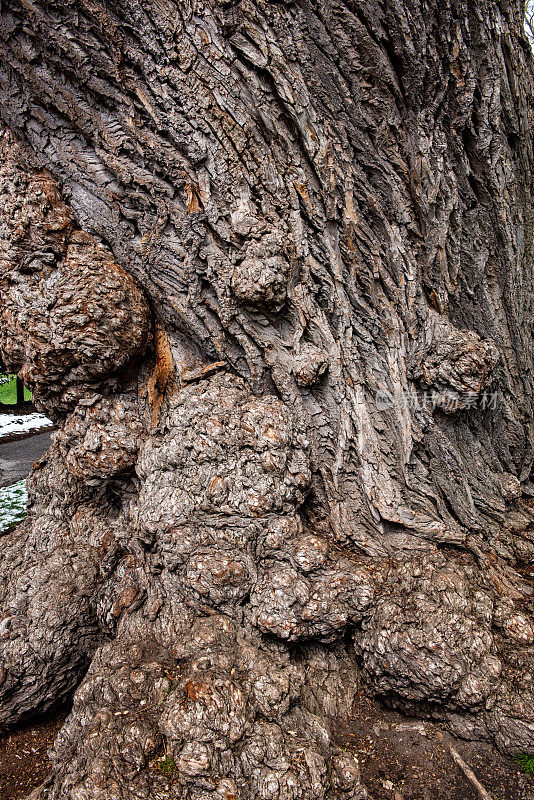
(269, 267)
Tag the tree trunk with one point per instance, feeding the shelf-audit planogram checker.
(269, 267)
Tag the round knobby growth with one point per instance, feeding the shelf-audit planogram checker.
(101, 438)
(71, 329)
(71, 318)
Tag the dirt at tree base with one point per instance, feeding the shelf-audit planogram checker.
(401, 758)
(24, 760)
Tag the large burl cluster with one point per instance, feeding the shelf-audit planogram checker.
(223, 707)
(440, 638)
(73, 322)
(71, 318)
(162, 542)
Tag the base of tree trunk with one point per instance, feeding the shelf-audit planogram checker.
(240, 703)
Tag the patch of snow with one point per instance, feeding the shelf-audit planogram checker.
(13, 503)
(25, 423)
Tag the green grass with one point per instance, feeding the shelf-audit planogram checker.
(8, 393)
(525, 761)
(168, 765)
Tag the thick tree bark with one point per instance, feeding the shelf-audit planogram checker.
(238, 238)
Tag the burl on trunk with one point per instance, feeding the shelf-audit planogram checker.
(269, 267)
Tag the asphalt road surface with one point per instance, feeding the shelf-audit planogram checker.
(16, 458)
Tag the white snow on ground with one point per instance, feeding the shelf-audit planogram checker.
(13, 502)
(26, 423)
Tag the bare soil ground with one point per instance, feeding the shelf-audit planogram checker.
(409, 759)
(24, 760)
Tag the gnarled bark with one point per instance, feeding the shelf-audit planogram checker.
(236, 238)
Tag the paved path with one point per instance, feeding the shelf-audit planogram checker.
(16, 458)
